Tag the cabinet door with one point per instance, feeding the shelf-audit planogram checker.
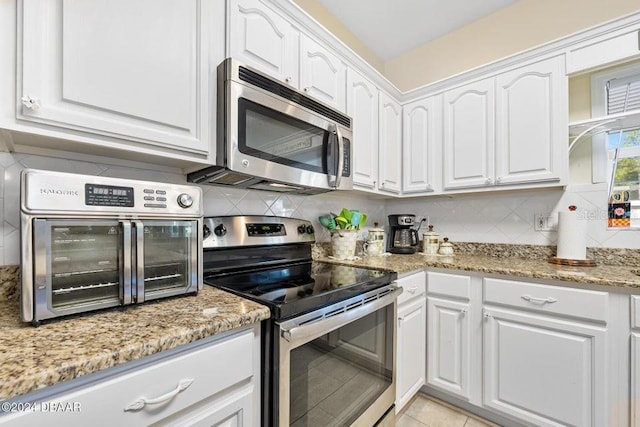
(362, 106)
(449, 346)
(322, 74)
(262, 39)
(635, 379)
(531, 123)
(544, 370)
(411, 351)
(390, 140)
(468, 143)
(422, 131)
(128, 69)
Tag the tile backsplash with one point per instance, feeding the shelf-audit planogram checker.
(505, 217)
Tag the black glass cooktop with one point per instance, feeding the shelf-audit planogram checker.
(295, 289)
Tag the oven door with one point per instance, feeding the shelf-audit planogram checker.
(79, 265)
(337, 364)
(269, 137)
(167, 258)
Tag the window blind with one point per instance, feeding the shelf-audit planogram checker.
(623, 94)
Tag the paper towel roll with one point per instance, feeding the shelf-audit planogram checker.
(572, 236)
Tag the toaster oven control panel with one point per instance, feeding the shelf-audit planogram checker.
(108, 195)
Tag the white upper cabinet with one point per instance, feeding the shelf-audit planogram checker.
(135, 70)
(322, 74)
(613, 47)
(421, 136)
(362, 106)
(390, 134)
(531, 123)
(468, 144)
(507, 130)
(263, 39)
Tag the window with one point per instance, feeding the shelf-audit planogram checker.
(617, 93)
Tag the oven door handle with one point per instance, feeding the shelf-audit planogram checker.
(312, 330)
(139, 261)
(125, 254)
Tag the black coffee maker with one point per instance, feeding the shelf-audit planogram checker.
(403, 238)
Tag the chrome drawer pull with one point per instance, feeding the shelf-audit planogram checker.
(536, 300)
(141, 402)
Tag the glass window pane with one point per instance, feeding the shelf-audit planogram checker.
(624, 198)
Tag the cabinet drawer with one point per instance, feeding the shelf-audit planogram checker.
(412, 286)
(210, 369)
(581, 303)
(452, 285)
(635, 311)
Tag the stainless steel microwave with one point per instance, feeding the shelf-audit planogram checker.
(92, 242)
(273, 137)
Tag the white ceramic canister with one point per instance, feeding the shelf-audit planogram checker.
(445, 248)
(430, 242)
(374, 246)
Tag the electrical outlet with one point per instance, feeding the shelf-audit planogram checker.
(544, 222)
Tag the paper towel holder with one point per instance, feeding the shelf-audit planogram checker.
(568, 261)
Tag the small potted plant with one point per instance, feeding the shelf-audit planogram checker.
(344, 231)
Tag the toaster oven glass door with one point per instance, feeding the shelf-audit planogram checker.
(166, 257)
(78, 265)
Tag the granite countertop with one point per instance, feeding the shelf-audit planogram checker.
(67, 348)
(620, 276)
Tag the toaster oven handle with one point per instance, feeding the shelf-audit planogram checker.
(125, 253)
(139, 261)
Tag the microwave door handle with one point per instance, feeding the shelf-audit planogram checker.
(126, 260)
(340, 156)
(333, 130)
(139, 261)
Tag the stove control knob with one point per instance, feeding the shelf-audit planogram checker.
(206, 231)
(220, 230)
(185, 200)
(301, 229)
(309, 229)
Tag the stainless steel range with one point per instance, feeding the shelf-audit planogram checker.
(329, 348)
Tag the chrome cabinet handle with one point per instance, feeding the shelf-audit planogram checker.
(306, 89)
(489, 181)
(463, 312)
(287, 79)
(486, 316)
(537, 300)
(412, 290)
(498, 178)
(141, 402)
(30, 102)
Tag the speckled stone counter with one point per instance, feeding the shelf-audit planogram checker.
(601, 275)
(60, 350)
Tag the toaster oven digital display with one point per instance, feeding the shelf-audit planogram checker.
(108, 195)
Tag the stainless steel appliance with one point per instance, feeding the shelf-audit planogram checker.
(92, 242)
(403, 237)
(329, 348)
(273, 137)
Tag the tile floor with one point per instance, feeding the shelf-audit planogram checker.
(426, 411)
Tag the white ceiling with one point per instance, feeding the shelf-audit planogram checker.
(392, 27)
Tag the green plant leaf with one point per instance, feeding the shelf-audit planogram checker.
(363, 220)
(342, 222)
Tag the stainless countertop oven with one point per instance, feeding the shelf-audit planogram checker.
(92, 242)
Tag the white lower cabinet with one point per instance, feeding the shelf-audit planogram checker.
(214, 384)
(544, 370)
(411, 336)
(449, 346)
(530, 353)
